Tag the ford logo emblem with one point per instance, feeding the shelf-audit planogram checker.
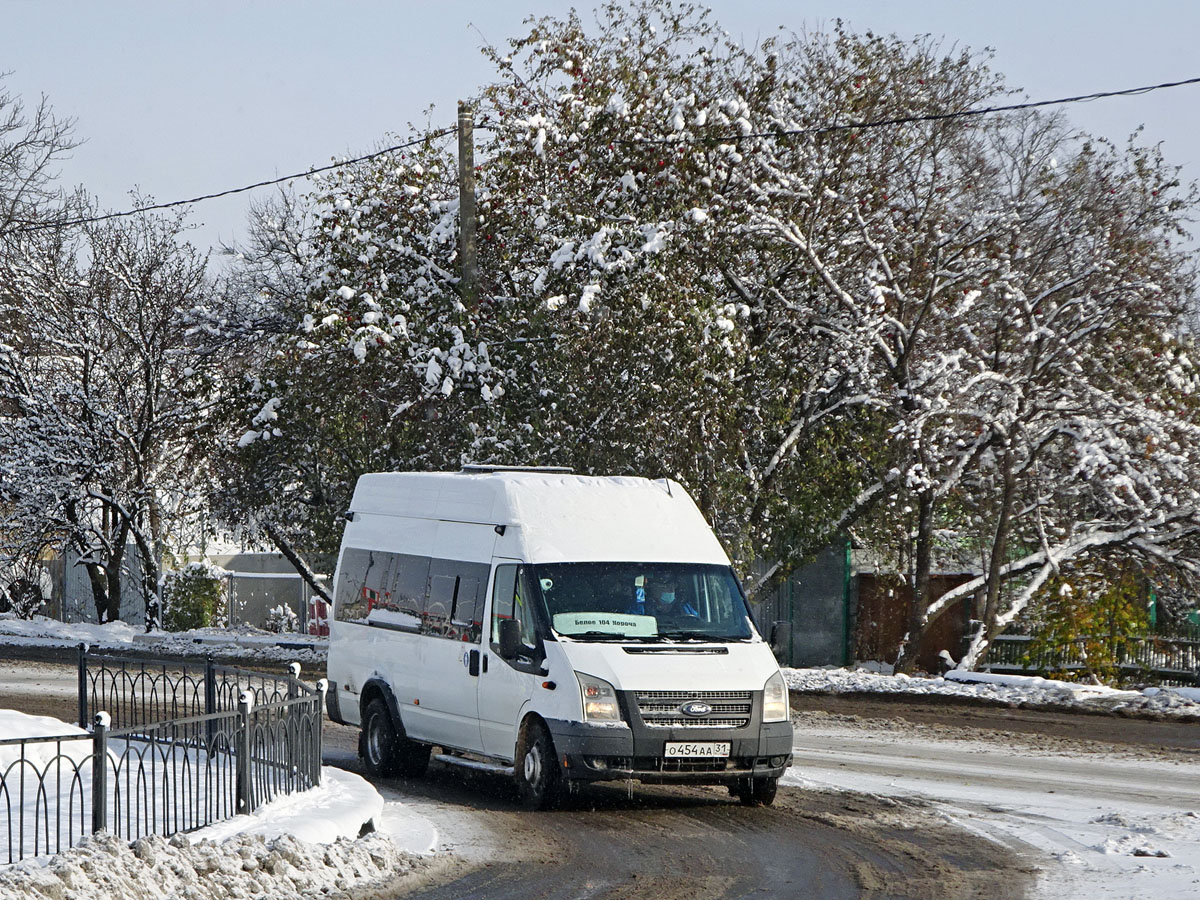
(695, 708)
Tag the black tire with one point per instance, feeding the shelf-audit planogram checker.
(414, 758)
(378, 742)
(386, 752)
(539, 781)
(757, 791)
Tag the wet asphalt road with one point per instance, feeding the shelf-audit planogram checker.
(671, 843)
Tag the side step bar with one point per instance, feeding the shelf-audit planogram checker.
(475, 764)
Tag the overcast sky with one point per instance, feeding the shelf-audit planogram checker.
(183, 99)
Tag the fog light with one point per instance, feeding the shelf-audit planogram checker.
(777, 761)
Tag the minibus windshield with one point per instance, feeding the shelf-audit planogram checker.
(643, 601)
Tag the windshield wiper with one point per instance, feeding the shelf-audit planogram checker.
(694, 636)
(595, 635)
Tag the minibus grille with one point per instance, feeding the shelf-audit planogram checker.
(661, 709)
(663, 764)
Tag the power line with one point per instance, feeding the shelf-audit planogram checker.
(929, 117)
(39, 226)
(816, 129)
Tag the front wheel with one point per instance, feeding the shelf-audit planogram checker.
(539, 782)
(757, 791)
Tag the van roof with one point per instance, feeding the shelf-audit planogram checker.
(554, 516)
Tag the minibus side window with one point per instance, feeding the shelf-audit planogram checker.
(511, 600)
(365, 584)
(350, 604)
(466, 611)
(504, 591)
(441, 600)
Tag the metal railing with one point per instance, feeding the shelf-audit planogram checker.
(182, 746)
(56, 772)
(1168, 660)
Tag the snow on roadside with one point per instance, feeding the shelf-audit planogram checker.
(295, 846)
(1008, 690)
(1108, 827)
(105, 867)
(71, 633)
(240, 641)
(338, 807)
(15, 725)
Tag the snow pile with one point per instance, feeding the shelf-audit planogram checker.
(298, 845)
(241, 641)
(1004, 690)
(1168, 836)
(19, 725)
(339, 806)
(42, 628)
(105, 867)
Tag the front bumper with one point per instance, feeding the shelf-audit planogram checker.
(635, 750)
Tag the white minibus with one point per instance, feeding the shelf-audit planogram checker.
(560, 627)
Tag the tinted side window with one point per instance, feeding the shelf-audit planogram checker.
(384, 588)
(455, 609)
(512, 599)
(441, 600)
(439, 597)
(467, 608)
(367, 584)
(503, 591)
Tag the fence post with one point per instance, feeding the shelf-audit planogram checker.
(100, 773)
(210, 700)
(210, 685)
(322, 687)
(294, 672)
(83, 686)
(245, 798)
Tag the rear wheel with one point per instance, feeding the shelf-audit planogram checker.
(539, 781)
(756, 791)
(385, 751)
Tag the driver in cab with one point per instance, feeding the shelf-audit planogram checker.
(660, 599)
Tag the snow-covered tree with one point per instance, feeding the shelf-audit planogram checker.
(993, 265)
(369, 359)
(664, 333)
(102, 394)
(32, 140)
(788, 276)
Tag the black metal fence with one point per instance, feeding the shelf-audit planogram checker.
(1167, 660)
(173, 747)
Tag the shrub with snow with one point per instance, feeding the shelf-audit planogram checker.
(194, 597)
(22, 597)
(282, 620)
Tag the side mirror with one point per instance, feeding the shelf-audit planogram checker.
(781, 640)
(510, 638)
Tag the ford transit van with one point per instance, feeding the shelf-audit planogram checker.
(558, 627)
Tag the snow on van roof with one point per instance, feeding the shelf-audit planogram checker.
(554, 517)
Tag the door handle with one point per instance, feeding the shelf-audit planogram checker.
(473, 662)
(485, 662)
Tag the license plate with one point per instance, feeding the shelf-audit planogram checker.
(698, 749)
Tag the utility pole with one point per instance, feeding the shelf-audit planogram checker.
(466, 206)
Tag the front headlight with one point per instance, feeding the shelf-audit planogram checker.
(599, 699)
(775, 699)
